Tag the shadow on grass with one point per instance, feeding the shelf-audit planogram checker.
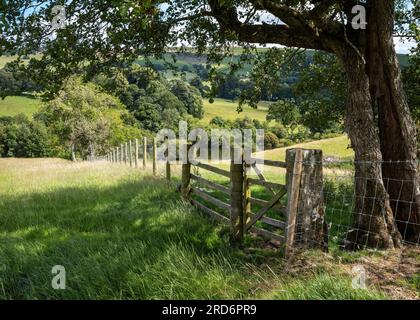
(135, 240)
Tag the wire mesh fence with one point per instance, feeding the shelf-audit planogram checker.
(361, 209)
(346, 204)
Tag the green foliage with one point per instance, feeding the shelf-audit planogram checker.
(190, 96)
(21, 137)
(411, 76)
(158, 108)
(15, 84)
(85, 119)
(218, 122)
(271, 141)
(155, 103)
(321, 93)
(197, 83)
(285, 112)
(279, 130)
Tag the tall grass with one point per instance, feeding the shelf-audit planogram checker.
(121, 234)
(14, 105)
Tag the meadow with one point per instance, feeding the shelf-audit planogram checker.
(336, 148)
(14, 105)
(227, 109)
(124, 234)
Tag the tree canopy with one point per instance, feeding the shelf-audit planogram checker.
(95, 35)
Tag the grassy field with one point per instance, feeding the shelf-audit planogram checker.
(227, 110)
(13, 105)
(334, 147)
(122, 234)
(4, 60)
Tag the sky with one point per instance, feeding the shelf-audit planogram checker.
(402, 47)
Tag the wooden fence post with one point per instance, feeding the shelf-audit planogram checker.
(126, 153)
(247, 197)
(122, 153)
(144, 152)
(167, 163)
(168, 170)
(236, 198)
(306, 212)
(154, 157)
(293, 176)
(130, 153)
(186, 178)
(136, 153)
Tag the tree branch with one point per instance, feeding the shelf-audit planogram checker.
(297, 33)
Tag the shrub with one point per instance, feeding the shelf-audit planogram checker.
(279, 130)
(218, 121)
(285, 143)
(24, 138)
(301, 133)
(271, 141)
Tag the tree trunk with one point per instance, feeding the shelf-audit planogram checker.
(73, 152)
(91, 151)
(374, 224)
(396, 128)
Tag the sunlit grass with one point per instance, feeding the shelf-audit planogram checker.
(334, 147)
(227, 110)
(13, 105)
(122, 234)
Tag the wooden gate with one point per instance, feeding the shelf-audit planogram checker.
(276, 213)
(276, 192)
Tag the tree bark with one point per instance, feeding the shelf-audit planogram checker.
(375, 84)
(374, 224)
(73, 152)
(396, 128)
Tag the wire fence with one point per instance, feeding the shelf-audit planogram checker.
(341, 203)
(360, 211)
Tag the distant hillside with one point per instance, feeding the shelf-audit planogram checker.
(189, 59)
(11, 106)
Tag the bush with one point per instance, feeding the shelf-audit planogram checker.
(190, 96)
(244, 123)
(279, 130)
(23, 138)
(271, 141)
(301, 133)
(218, 122)
(285, 143)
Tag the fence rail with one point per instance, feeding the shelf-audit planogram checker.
(213, 169)
(291, 214)
(242, 210)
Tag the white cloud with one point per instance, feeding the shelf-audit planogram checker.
(403, 46)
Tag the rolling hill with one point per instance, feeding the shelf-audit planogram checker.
(13, 105)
